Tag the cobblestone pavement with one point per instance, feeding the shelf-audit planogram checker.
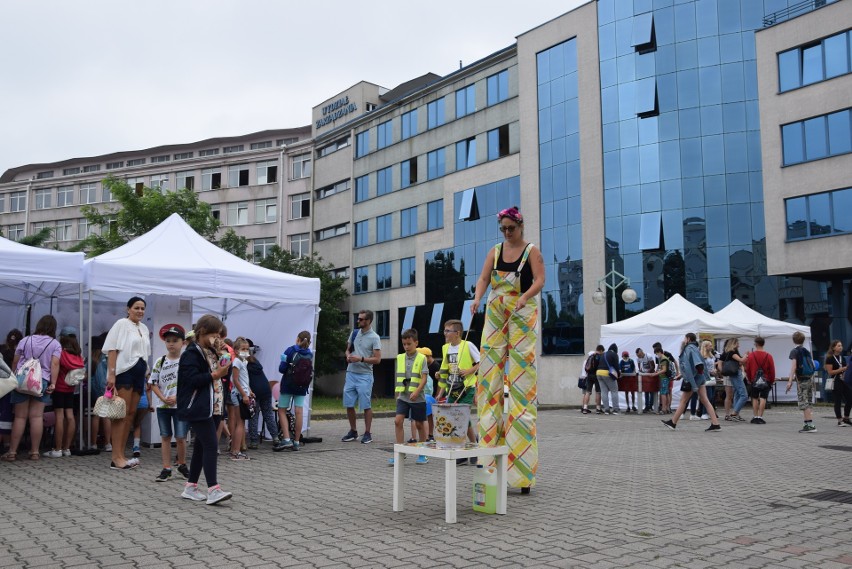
(613, 491)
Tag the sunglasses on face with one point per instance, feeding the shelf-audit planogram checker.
(447, 331)
(508, 228)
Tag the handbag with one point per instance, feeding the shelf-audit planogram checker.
(109, 406)
(75, 376)
(730, 367)
(8, 382)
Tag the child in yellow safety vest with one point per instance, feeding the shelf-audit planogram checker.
(412, 371)
(457, 376)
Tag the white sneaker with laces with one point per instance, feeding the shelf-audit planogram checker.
(694, 418)
(705, 417)
(66, 452)
(191, 492)
(52, 454)
(216, 495)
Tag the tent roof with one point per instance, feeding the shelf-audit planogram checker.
(34, 264)
(173, 259)
(675, 316)
(741, 315)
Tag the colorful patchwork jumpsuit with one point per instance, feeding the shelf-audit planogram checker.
(508, 355)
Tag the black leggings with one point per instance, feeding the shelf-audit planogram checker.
(842, 392)
(204, 451)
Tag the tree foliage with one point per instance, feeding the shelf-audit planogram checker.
(39, 239)
(234, 244)
(331, 335)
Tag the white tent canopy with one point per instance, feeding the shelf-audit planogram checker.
(744, 317)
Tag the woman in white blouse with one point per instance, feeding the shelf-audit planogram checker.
(128, 347)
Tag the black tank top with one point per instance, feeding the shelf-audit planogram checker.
(526, 271)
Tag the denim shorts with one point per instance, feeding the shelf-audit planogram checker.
(168, 417)
(134, 378)
(358, 388)
(45, 398)
(665, 385)
(285, 399)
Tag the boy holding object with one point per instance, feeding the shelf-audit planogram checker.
(163, 382)
(412, 371)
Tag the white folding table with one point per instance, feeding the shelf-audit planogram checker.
(449, 456)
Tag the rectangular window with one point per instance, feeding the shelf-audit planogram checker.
(330, 232)
(16, 231)
(160, 182)
(238, 175)
(646, 98)
(407, 271)
(342, 273)
(114, 165)
(64, 196)
(44, 175)
(300, 206)
(92, 168)
(40, 226)
(137, 183)
(238, 213)
(384, 228)
(333, 147)
(650, 231)
(107, 195)
(812, 68)
(435, 215)
(384, 279)
(88, 193)
(183, 156)
(793, 143)
(498, 87)
(70, 171)
(498, 142)
(469, 210)
(266, 211)
(261, 248)
(43, 198)
(261, 145)
(362, 233)
(362, 282)
(836, 52)
(84, 228)
(2, 203)
(160, 159)
(816, 140)
(839, 133)
(465, 153)
(211, 179)
(232, 149)
(435, 164)
(136, 162)
(208, 152)
(267, 172)
(384, 181)
(185, 179)
(465, 101)
(300, 244)
(644, 39)
(408, 173)
(384, 135)
(408, 222)
(435, 113)
(409, 124)
(362, 188)
(286, 141)
(382, 324)
(301, 166)
(64, 230)
(17, 201)
(362, 143)
(342, 186)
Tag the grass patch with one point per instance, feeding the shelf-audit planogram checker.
(325, 404)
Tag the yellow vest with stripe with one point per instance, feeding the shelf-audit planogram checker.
(416, 370)
(464, 362)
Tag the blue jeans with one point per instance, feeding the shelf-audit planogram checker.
(265, 404)
(740, 396)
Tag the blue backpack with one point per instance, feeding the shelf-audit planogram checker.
(806, 363)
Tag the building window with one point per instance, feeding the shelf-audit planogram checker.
(238, 175)
(362, 233)
(160, 159)
(238, 213)
(362, 283)
(301, 166)
(136, 162)
(211, 179)
(330, 232)
(435, 113)
(70, 171)
(409, 124)
(88, 193)
(232, 149)
(261, 248)
(40, 226)
(64, 230)
(261, 145)
(136, 183)
(92, 168)
(407, 271)
(498, 87)
(383, 276)
(339, 274)
(300, 206)
(408, 222)
(468, 209)
(362, 143)
(498, 142)
(2, 203)
(465, 101)
(333, 147)
(384, 228)
(84, 228)
(384, 135)
(814, 62)
(160, 182)
(64, 196)
(644, 35)
(817, 137)
(435, 164)
(435, 215)
(107, 195)
(185, 179)
(408, 173)
(342, 186)
(384, 181)
(16, 231)
(43, 198)
(114, 165)
(286, 141)
(17, 201)
(267, 172)
(265, 211)
(382, 323)
(465, 153)
(300, 244)
(183, 156)
(362, 188)
(646, 98)
(208, 152)
(44, 175)
(819, 215)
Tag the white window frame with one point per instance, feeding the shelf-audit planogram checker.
(266, 211)
(43, 198)
(17, 201)
(298, 203)
(66, 193)
(301, 166)
(237, 214)
(300, 244)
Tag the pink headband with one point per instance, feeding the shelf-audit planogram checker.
(512, 213)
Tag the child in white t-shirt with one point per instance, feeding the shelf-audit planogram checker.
(163, 383)
(238, 410)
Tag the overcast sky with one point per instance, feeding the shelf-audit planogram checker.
(82, 78)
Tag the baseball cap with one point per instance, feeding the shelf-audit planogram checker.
(625, 353)
(425, 351)
(68, 331)
(172, 330)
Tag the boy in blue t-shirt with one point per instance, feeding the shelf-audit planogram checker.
(627, 381)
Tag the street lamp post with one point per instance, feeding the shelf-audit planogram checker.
(612, 280)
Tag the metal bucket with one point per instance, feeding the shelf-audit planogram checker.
(451, 422)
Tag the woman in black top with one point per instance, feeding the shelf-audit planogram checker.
(834, 368)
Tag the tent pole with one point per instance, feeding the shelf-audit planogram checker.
(309, 399)
(81, 336)
(89, 383)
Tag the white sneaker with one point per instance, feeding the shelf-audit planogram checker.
(216, 494)
(66, 452)
(52, 454)
(191, 492)
(694, 418)
(108, 448)
(705, 417)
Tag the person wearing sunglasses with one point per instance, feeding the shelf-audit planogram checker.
(363, 351)
(515, 271)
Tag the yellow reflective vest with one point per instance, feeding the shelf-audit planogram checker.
(464, 361)
(416, 371)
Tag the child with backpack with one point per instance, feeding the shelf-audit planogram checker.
(802, 371)
(590, 381)
(70, 362)
(297, 369)
(164, 382)
(238, 400)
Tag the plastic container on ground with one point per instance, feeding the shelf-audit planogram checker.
(485, 490)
